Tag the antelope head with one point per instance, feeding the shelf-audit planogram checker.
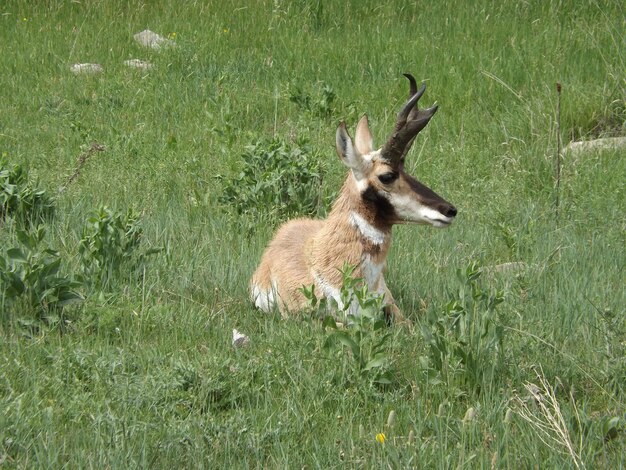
(396, 196)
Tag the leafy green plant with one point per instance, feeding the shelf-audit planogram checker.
(465, 344)
(612, 427)
(110, 245)
(612, 326)
(277, 180)
(362, 327)
(30, 278)
(19, 199)
(321, 104)
(518, 239)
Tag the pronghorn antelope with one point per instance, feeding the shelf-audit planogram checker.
(376, 194)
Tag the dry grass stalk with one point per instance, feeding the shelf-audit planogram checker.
(558, 147)
(82, 159)
(542, 411)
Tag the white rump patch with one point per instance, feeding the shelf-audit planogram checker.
(366, 229)
(264, 300)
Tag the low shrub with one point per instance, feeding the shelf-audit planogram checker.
(110, 245)
(20, 199)
(277, 181)
(31, 283)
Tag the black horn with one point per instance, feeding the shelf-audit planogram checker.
(411, 120)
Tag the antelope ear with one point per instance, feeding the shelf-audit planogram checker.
(363, 137)
(348, 154)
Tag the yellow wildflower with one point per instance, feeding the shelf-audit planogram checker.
(380, 437)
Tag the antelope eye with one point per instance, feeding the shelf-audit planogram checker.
(388, 178)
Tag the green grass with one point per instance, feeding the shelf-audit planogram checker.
(144, 375)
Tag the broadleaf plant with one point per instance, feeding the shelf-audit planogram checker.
(31, 281)
(359, 324)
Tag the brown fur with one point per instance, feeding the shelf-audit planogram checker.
(303, 246)
(307, 252)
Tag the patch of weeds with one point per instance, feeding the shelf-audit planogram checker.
(362, 328)
(312, 15)
(185, 377)
(518, 240)
(20, 199)
(465, 344)
(81, 129)
(607, 428)
(31, 280)
(320, 103)
(277, 181)
(217, 386)
(612, 427)
(612, 326)
(593, 123)
(225, 130)
(110, 246)
(105, 318)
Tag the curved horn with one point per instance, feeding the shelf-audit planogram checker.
(410, 121)
(412, 84)
(413, 90)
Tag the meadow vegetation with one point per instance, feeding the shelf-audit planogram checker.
(123, 271)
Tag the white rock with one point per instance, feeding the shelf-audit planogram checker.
(86, 68)
(239, 339)
(608, 143)
(138, 64)
(153, 40)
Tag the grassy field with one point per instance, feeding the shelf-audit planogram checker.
(141, 372)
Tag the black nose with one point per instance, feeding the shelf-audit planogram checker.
(450, 211)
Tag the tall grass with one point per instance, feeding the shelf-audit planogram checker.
(145, 376)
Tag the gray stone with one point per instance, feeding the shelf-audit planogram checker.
(510, 267)
(153, 40)
(138, 64)
(597, 145)
(86, 68)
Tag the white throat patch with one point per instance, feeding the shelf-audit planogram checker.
(373, 274)
(366, 229)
